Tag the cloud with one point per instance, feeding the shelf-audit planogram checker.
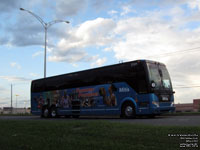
(185, 71)
(112, 12)
(153, 33)
(99, 62)
(194, 4)
(165, 3)
(126, 10)
(2, 89)
(99, 5)
(4, 103)
(143, 37)
(71, 56)
(70, 7)
(96, 32)
(9, 5)
(15, 79)
(38, 53)
(28, 31)
(15, 65)
(4, 40)
(75, 65)
(33, 74)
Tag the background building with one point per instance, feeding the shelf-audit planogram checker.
(8, 110)
(196, 105)
(189, 107)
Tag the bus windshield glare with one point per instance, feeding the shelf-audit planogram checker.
(159, 76)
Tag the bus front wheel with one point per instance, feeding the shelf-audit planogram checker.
(128, 110)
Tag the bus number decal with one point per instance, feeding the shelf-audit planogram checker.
(124, 89)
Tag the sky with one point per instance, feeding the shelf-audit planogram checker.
(100, 33)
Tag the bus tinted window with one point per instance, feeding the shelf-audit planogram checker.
(38, 86)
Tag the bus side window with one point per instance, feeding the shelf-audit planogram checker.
(142, 86)
(113, 87)
(38, 86)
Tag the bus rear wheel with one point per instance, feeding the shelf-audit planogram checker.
(45, 112)
(128, 111)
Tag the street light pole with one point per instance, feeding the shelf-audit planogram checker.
(46, 26)
(16, 100)
(45, 51)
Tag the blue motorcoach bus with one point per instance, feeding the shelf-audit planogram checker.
(141, 87)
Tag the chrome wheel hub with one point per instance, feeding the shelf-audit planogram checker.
(53, 113)
(46, 113)
(128, 111)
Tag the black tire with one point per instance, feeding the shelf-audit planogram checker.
(128, 110)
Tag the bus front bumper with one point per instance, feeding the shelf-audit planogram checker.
(161, 110)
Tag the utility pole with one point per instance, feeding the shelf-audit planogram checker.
(11, 100)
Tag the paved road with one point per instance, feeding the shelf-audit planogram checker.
(168, 121)
(161, 120)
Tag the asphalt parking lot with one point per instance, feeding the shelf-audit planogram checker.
(192, 120)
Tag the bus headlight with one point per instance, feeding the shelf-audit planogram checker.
(155, 103)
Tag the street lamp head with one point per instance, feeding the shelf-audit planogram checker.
(22, 9)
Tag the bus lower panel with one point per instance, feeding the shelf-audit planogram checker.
(155, 111)
(163, 110)
(99, 112)
(36, 112)
(85, 112)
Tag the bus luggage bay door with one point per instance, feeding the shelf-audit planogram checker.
(76, 107)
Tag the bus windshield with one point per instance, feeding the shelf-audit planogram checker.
(159, 76)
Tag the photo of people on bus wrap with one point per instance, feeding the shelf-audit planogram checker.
(111, 99)
(64, 98)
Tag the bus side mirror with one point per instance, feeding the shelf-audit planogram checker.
(153, 84)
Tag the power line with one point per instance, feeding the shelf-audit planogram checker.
(180, 52)
(181, 87)
(177, 52)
